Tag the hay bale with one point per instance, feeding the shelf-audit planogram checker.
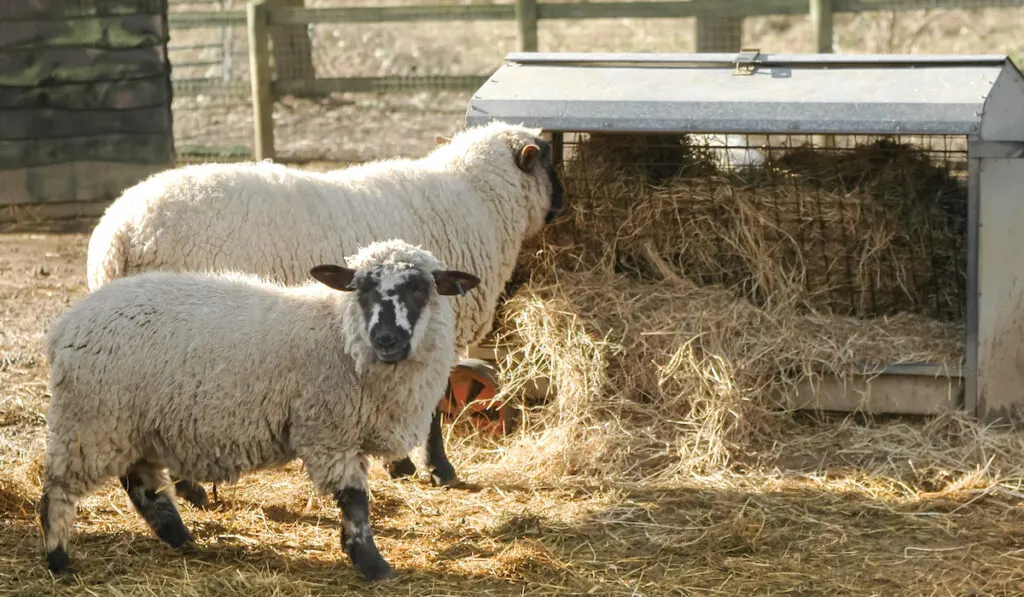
(843, 241)
(650, 159)
(672, 375)
(672, 319)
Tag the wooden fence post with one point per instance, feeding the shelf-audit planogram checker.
(821, 20)
(257, 13)
(526, 16)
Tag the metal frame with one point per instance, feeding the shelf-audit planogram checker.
(980, 97)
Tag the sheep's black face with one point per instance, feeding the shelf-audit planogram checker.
(393, 303)
(535, 156)
(547, 163)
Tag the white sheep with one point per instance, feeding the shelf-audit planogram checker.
(471, 201)
(211, 375)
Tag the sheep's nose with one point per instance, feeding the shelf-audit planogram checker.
(386, 340)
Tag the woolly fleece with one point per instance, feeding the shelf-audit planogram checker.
(214, 375)
(467, 202)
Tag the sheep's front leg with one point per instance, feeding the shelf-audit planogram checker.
(341, 472)
(356, 536)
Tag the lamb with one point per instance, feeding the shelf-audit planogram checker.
(212, 375)
(472, 201)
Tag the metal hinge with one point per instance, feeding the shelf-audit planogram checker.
(746, 61)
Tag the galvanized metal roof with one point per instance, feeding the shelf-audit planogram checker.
(783, 93)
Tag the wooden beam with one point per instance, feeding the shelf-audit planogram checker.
(79, 181)
(131, 31)
(382, 84)
(30, 10)
(383, 14)
(44, 123)
(12, 216)
(132, 93)
(139, 149)
(667, 10)
(26, 68)
(904, 5)
(259, 76)
(203, 19)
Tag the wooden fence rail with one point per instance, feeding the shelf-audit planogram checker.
(718, 25)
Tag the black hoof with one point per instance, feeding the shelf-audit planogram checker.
(193, 493)
(376, 571)
(401, 468)
(58, 562)
(444, 476)
(175, 535)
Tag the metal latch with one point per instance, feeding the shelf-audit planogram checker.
(746, 61)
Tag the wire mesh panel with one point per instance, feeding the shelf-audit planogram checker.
(215, 52)
(848, 225)
(210, 76)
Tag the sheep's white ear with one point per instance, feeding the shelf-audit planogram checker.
(450, 282)
(442, 140)
(335, 276)
(528, 157)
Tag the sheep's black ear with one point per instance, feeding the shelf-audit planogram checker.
(528, 157)
(450, 282)
(335, 276)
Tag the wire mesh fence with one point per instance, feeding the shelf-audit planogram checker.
(212, 108)
(853, 225)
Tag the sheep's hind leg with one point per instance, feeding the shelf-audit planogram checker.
(150, 490)
(192, 492)
(57, 508)
(356, 536)
(442, 472)
(401, 468)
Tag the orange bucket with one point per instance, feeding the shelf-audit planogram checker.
(472, 388)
